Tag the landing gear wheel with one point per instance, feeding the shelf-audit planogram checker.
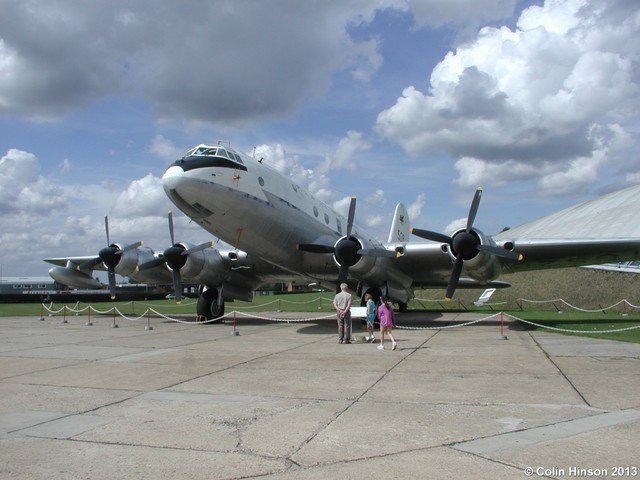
(208, 307)
(402, 306)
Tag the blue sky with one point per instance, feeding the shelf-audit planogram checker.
(413, 101)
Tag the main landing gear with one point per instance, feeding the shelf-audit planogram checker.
(210, 304)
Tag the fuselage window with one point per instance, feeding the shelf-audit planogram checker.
(295, 187)
(315, 211)
(326, 219)
(261, 181)
(339, 225)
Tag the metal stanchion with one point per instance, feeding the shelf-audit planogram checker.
(148, 327)
(502, 335)
(234, 333)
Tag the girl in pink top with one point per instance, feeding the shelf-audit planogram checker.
(387, 322)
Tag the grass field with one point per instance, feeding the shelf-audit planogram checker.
(579, 323)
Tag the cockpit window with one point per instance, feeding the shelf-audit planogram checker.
(207, 151)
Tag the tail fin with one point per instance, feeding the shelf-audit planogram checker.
(400, 227)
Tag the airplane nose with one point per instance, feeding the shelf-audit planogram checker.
(172, 177)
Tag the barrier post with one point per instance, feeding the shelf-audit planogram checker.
(148, 327)
(625, 312)
(64, 314)
(502, 335)
(88, 323)
(234, 333)
(114, 325)
(41, 319)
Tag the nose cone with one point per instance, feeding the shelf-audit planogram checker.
(184, 192)
(172, 177)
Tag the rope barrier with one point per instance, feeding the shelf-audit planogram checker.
(566, 330)
(151, 311)
(626, 304)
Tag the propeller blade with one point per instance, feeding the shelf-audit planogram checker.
(378, 252)
(352, 214)
(501, 252)
(130, 247)
(151, 264)
(433, 236)
(455, 277)
(343, 274)
(170, 215)
(198, 248)
(314, 248)
(177, 285)
(106, 228)
(474, 208)
(111, 274)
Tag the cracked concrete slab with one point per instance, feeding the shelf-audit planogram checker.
(285, 400)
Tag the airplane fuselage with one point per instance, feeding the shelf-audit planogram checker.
(251, 206)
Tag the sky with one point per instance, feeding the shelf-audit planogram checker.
(412, 101)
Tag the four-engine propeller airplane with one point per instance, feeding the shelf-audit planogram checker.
(281, 233)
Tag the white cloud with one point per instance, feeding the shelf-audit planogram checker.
(552, 95)
(455, 225)
(165, 149)
(344, 156)
(377, 198)
(143, 197)
(415, 209)
(216, 62)
(22, 190)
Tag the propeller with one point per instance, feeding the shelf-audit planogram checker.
(110, 256)
(175, 257)
(347, 250)
(465, 245)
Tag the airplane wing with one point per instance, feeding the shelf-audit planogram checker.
(539, 254)
(65, 261)
(599, 231)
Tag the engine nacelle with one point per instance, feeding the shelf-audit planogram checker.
(346, 253)
(204, 266)
(128, 260)
(73, 278)
(479, 265)
(373, 269)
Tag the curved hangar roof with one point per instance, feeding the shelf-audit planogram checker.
(615, 215)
